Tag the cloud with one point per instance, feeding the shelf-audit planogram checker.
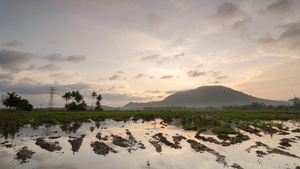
(26, 80)
(59, 58)
(278, 7)
(228, 13)
(116, 77)
(175, 91)
(14, 43)
(107, 6)
(139, 76)
(59, 75)
(6, 76)
(167, 77)
(154, 21)
(170, 58)
(196, 73)
(121, 97)
(23, 87)
(48, 67)
(151, 57)
(289, 35)
(12, 60)
(199, 66)
(152, 91)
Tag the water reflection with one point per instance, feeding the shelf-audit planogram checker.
(152, 144)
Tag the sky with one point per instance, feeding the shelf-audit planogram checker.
(145, 50)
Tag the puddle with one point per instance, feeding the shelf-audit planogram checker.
(152, 144)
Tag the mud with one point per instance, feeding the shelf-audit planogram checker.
(49, 146)
(227, 141)
(24, 154)
(101, 148)
(296, 130)
(286, 142)
(119, 141)
(272, 150)
(76, 143)
(198, 147)
(236, 166)
(99, 136)
(250, 130)
(260, 153)
(178, 138)
(160, 138)
(156, 145)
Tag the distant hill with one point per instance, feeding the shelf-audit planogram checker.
(205, 96)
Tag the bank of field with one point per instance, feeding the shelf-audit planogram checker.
(216, 120)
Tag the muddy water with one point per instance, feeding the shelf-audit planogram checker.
(144, 145)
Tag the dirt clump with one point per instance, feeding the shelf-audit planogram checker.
(198, 147)
(119, 141)
(49, 146)
(24, 154)
(76, 143)
(286, 142)
(272, 150)
(296, 130)
(260, 153)
(235, 165)
(156, 145)
(101, 148)
(98, 136)
(159, 137)
(178, 138)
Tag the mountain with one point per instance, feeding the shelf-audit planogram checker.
(205, 96)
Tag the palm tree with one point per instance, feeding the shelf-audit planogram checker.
(94, 94)
(99, 98)
(78, 97)
(67, 97)
(11, 100)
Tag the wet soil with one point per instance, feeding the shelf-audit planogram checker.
(99, 136)
(198, 147)
(119, 141)
(160, 138)
(101, 148)
(272, 150)
(156, 145)
(49, 146)
(296, 130)
(76, 143)
(24, 154)
(227, 141)
(286, 142)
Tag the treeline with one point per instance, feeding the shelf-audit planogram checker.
(78, 102)
(15, 102)
(252, 106)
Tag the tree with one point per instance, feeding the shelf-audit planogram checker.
(77, 103)
(67, 97)
(99, 98)
(12, 100)
(296, 103)
(94, 94)
(24, 105)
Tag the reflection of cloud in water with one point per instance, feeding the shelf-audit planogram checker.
(3, 161)
(61, 166)
(41, 157)
(5, 164)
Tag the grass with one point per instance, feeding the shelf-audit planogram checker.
(218, 121)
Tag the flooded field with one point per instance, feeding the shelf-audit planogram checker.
(152, 144)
